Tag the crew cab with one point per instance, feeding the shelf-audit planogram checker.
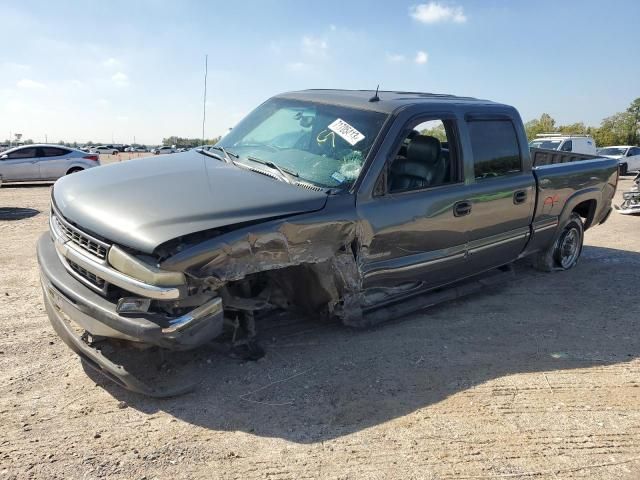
(342, 204)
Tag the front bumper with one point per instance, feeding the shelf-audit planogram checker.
(69, 304)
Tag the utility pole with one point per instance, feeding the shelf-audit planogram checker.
(204, 101)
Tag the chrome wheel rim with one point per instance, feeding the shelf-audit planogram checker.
(569, 248)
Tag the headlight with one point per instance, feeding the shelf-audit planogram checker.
(130, 265)
(631, 195)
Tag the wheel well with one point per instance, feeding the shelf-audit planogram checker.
(74, 169)
(587, 211)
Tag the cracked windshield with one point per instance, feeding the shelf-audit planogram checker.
(325, 145)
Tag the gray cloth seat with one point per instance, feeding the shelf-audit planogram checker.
(424, 165)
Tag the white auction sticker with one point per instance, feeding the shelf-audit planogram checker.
(346, 131)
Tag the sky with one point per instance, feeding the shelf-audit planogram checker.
(115, 71)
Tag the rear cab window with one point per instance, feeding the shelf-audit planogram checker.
(495, 148)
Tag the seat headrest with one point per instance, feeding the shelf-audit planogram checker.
(424, 149)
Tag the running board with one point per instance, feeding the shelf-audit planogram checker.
(423, 301)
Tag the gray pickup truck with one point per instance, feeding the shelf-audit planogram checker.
(354, 205)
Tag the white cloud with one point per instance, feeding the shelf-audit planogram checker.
(77, 83)
(122, 118)
(16, 67)
(434, 12)
(421, 57)
(111, 63)
(103, 102)
(28, 83)
(395, 57)
(314, 46)
(298, 66)
(120, 79)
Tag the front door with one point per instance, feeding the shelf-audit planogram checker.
(418, 227)
(20, 165)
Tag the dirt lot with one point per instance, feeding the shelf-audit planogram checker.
(536, 379)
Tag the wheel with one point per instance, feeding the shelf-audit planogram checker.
(624, 168)
(564, 253)
(115, 152)
(74, 170)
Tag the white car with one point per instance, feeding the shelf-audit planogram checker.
(565, 143)
(628, 157)
(105, 149)
(35, 163)
(162, 150)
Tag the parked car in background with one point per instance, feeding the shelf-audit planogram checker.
(628, 157)
(41, 162)
(4, 146)
(163, 150)
(105, 149)
(565, 143)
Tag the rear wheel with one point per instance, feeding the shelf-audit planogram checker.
(564, 253)
(74, 170)
(624, 168)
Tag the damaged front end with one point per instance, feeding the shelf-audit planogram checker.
(631, 199)
(194, 289)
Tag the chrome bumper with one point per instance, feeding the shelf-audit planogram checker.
(73, 302)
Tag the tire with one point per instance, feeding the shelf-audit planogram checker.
(75, 170)
(624, 168)
(565, 251)
(115, 152)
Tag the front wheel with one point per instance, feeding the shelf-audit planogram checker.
(564, 253)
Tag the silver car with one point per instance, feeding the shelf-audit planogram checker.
(35, 163)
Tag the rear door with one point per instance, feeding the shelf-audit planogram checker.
(503, 193)
(20, 165)
(53, 162)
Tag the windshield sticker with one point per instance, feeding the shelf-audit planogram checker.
(338, 177)
(346, 131)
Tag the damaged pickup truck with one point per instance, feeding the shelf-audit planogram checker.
(353, 205)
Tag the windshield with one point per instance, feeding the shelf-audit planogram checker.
(546, 144)
(613, 151)
(322, 144)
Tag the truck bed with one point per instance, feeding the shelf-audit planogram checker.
(542, 156)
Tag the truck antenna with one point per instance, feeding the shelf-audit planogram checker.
(375, 97)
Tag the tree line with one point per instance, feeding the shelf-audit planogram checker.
(622, 128)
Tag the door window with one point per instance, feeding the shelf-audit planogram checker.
(495, 148)
(29, 152)
(427, 157)
(53, 151)
(567, 146)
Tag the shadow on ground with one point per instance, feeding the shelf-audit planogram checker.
(319, 382)
(17, 213)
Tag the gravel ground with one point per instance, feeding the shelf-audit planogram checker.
(539, 378)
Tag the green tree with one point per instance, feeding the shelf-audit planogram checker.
(437, 132)
(544, 124)
(634, 112)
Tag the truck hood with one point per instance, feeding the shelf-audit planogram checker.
(146, 202)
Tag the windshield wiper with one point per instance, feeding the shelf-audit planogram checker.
(227, 153)
(285, 173)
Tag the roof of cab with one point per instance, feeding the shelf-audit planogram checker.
(388, 103)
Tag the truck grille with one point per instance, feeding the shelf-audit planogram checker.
(90, 277)
(84, 241)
